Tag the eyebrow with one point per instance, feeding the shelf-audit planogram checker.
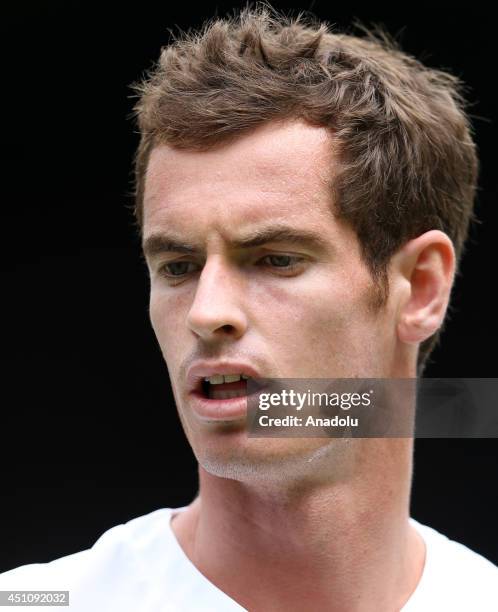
(158, 243)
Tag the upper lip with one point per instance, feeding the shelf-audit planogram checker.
(201, 370)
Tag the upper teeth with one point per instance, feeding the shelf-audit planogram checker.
(219, 379)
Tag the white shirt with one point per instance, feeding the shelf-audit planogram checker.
(139, 566)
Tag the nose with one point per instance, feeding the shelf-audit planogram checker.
(216, 311)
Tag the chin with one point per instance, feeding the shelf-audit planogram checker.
(273, 460)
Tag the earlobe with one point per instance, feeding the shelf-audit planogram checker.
(428, 266)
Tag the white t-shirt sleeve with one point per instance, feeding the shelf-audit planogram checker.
(455, 578)
(138, 566)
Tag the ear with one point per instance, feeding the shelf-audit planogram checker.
(426, 268)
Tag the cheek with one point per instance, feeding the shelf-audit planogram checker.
(310, 304)
(318, 323)
(166, 316)
(333, 329)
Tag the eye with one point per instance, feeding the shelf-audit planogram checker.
(176, 269)
(282, 262)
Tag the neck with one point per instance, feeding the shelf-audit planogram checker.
(345, 545)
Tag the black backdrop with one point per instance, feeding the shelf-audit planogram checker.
(89, 432)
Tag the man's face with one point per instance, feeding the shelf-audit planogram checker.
(289, 308)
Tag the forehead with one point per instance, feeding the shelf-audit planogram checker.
(279, 171)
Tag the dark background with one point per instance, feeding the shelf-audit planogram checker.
(89, 433)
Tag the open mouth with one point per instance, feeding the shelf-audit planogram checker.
(224, 387)
(224, 397)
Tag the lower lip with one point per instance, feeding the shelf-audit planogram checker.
(230, 409)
